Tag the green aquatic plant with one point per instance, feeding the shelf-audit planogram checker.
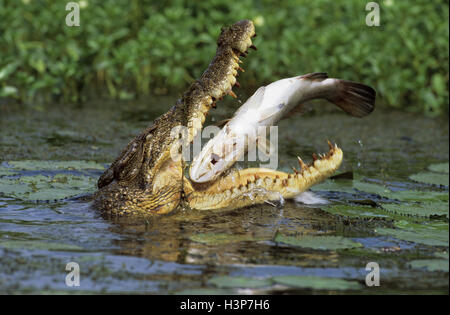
(36, 165)
(6, 172)
(439, 168)
(58, 185)
(46, 188)
(426, 210)
(430, 264)
(317, 283)
(318, 242)
(127, 48)
(444, 255)
(219, 238)
(239, 282)
(38, 245)
(431, 178)
(420, 216)
(204, 291)
(423, 234)
(356, 211)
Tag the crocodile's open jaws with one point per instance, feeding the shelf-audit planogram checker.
(145, 179)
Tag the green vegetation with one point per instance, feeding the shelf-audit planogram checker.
(126, 49)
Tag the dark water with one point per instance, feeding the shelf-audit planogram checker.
(182, 252)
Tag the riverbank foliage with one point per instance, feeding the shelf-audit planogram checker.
(126, 49)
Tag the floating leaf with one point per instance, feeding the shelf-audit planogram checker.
(318, 242)
(372, 188)
(356, 211)
(6, 172)
(441, 255)
(416, 195)
(425, 225)
(317, 283)
(419, 235)
(239, 282)
(345, 186)
(348, 186)
(37, 165)
(205, 291)
(219, 238)
(431, 178)
(37, 245)
(422, 209)
(46, 188)
(430, 264)
(439, 168)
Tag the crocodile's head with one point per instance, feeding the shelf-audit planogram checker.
(147, 177)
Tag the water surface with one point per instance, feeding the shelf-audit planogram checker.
(203, 251)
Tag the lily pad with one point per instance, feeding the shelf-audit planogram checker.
(317, 283)
(419, 235)
(239, 282)
(348, 186)
(441, 255)
(204, 291)
(37, 165)
(345, 186)
(6, 172)
(431, 178)
(439, 168)
(356, 211)
(318, 242)
(430, 264)
(372, 188)
(423, 209)
(46, 188)
(416, 195)
(36, 245)
(423, 226)
(219, 238)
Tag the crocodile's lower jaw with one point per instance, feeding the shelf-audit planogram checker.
(257, 185)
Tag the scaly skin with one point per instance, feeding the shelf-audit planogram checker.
(144, 179)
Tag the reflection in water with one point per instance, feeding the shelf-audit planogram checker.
(244, 236)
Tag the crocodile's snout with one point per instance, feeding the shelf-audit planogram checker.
(238, 36)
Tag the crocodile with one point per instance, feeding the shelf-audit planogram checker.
(146, 178)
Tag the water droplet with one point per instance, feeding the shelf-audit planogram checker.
(360, 153)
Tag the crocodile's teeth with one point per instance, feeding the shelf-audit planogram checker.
(303, 166)
(330, 145)
(232, 94)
